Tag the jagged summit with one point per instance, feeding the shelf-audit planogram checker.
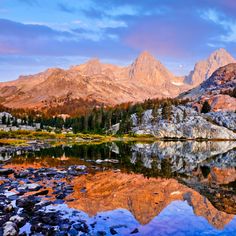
(217, 89)
(110, 84)
(204, 68)
(148, 69)
(145, 56)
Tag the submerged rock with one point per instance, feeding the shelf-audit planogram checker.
(10, 229)
(6, 171)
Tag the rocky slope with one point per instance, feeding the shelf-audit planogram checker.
(204, 69)
(216, 90)
(184, 122)
(145, 78)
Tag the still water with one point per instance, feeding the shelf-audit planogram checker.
(160, 188)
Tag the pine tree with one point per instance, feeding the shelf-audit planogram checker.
(4, 119)
(206, 107)
(166, 111)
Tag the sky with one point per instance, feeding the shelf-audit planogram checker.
(37, 34)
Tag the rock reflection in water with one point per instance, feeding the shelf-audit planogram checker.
(184, 156)
(193, 192)
(144, 198)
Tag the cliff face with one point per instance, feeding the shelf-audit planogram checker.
(183, 122)
(204, 69)
(216, 89)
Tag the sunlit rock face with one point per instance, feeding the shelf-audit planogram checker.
(93, 81)
(144, 198)
(215, 90)
(145, 78)
(183, 122)
(204, 69)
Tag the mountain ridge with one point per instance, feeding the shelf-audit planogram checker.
(110, 84)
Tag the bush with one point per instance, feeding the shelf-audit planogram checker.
(206, 107)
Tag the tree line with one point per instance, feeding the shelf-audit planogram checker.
(100, 119)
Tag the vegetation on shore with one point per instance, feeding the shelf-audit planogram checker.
(99, 120)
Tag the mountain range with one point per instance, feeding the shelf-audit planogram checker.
(109, 84)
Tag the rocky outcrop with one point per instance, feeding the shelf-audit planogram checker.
(216, 89)
(226, 119)
(204, 69)
(184, 122)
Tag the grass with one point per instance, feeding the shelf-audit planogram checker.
(13, 142)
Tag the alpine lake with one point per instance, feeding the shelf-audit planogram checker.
(120, 188)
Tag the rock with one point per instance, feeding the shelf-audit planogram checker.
(80, 167)
(113, 231)
(184, 122)
(42, 192)
(204, 68)
(81, 227)
(61, 196)
(10, 229)
(226, 119)
(18, 220)
(8, 208)
(22, 174)
(101, 233)
(135, 231)
(33, 187)
(73, 232)
(216, 90)
(29, 187)
(27, 203)
(6, 171)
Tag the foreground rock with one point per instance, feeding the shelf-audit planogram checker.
(184, 122)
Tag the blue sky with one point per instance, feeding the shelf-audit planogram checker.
(37, 34)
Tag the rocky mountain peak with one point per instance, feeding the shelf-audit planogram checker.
(145, 56)
(90, 68)
(220, 56)
(204, 68)
(147, 68)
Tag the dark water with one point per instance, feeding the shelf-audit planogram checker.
(161, 188)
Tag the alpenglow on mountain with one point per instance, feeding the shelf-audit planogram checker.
(109, 84)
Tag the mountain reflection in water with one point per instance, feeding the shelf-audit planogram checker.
(173, 188)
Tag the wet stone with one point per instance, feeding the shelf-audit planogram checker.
(18, 220)
(8, 208)
(113, 231)
(135, 231)
(27, 203)
(5, 172)
(101, 233)
(10, 229)
(73, 232)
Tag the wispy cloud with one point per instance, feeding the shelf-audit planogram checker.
(229, 25)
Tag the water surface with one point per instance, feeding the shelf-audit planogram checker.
(160, 188)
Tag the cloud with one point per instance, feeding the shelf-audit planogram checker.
(229, 25)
